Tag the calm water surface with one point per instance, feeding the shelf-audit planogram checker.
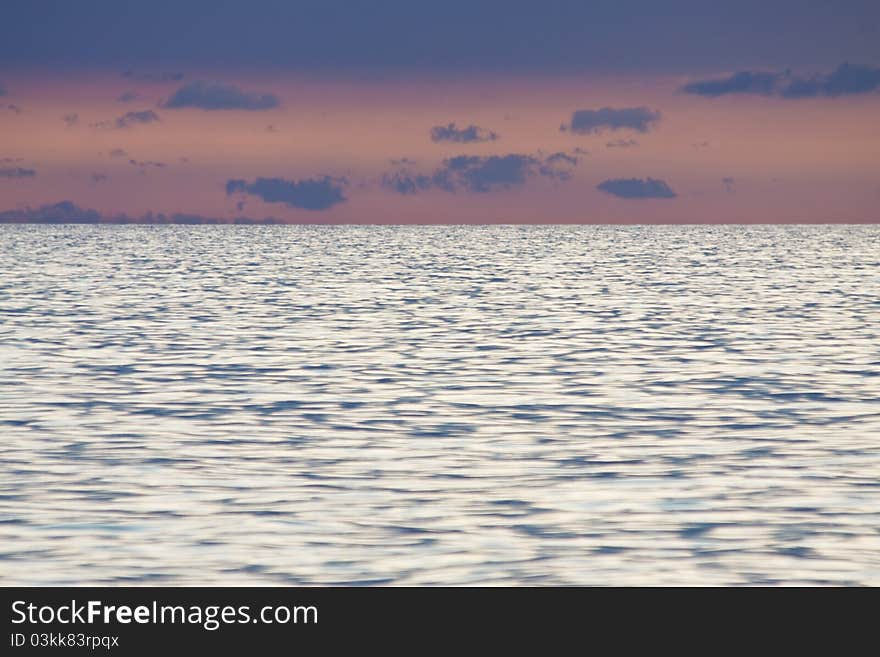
(433, 405)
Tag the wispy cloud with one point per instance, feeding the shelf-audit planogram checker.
(622, 143)
(470, 134)
(17, 172)
(130, 119)
(147, 164)
(142, 76)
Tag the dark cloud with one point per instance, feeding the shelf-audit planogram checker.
(17, 172)
(319, 193)
(589, 121)
(636, 188)
(622, 143)
(70, 119)
(140, 76)
(846, 80)
(744, 82)
(127, 96)
(470, 134)
(477, 174)
(57, 213)
(212, 96)
(129, 119)
(67, 212)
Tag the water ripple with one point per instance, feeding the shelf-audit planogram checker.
(439, 405)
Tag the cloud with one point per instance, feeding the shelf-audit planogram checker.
(729, 184)
(744, 82)
(846, 80)
(57, 213)
(140, 76)
(470, 134)
(118, 152)
(130, 119)
(319, 193)
(636, 188)
(127, 96)
(15, 109)
(587, 121)
(17, 172)
(67, 212)
(10, 160)
(478, 174)
(99, 177)
(70, 119)
(147, 163)
(622, 143)
(212, 96)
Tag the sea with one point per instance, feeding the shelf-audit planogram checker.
(440, 405)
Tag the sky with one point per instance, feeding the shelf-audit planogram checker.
(291, 111)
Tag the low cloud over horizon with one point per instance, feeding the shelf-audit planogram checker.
(17, 172)
(68, 212)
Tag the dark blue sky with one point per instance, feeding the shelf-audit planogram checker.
(452, 35)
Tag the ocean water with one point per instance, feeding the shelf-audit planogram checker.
(439, 405)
